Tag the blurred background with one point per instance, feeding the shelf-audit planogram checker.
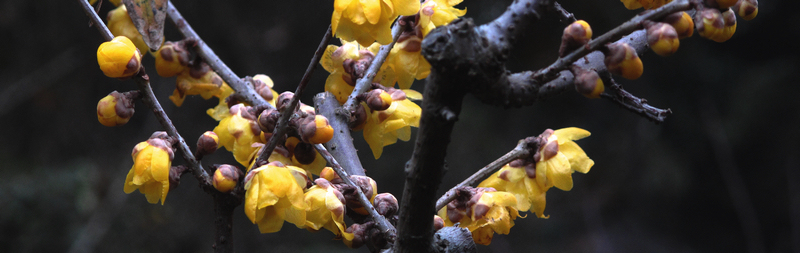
(721, 174)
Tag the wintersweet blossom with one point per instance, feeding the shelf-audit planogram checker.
(274, 195)
(560, 156)
(366, 21)
(326, 209)
(487, 212)
(383, 128)
(238, 132)
(149, 174)
(346, 63)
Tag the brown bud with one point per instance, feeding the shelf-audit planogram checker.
(682, 22)
(283, 100)
(207, 143)
(438, 223)
(662, 38)
(747, 9)
(359, 232)
(263, 86)
(304, 153)
(386, 204)
(359, 117)
(575, 36)
(588, 82)
(378, 100)
(175, 173)
(621, 59)
(268, 119)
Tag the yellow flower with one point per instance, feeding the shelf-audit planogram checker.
(515, 180)
(439, 13)
(560, 156)
(383, 128)
(120, 24)
(115, 109)
(118, 58)
(150, 172)
(238, 132)
(325, 209)
(647, 4)
(345, 63)
(275, 194)
(368, 20)
(196, 81)
(407, 62)
(493, 212)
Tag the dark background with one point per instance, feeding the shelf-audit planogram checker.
(720, 175)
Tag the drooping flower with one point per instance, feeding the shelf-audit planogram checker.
(366, 21)
(560, 157)
(152, 160)
(383, 128)
(196, 80)
(483, 211)
(274, 195)
(238, 132)
(439, 13)
(515, 180)
(325, 209)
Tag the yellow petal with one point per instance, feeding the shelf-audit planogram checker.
(570, 134)
(129, 186)
(559, 172)
(251, 199)
(372, 10)
(412, 94)
(406, 7)
(271, 221)
(577, 157)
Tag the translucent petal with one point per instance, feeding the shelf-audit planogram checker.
(372, 10)
(251, 200)
(406, 7)
(570, 134)
(559, 172)
(160, 165)
(270, 222)
(129, 186)
(577, 157)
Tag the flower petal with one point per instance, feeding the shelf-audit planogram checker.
(570, 134)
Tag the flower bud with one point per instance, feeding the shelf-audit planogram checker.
(386, 204)
(378, 100)
(304, 153)
(263, 86)
(175, 173)
(575, 35)
(119, 58)
(171, 59)
(328, 174)
(268, 119)
(588, 83)
(730, 24)
(747, 9)
(663, 39)
(682, 22)
(315, 131)
(710, 24)
(622, 60)
(283, 100)
(207, 143)
(115, 109)
(359, 232)
(225, 178)
(438, 223)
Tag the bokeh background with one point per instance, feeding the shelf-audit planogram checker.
(722, 174)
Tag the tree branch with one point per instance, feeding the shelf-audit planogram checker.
(287, 112)
(525, 147)
(388, 231)
(633, 103)
(242, 87)
(341, 145)
(363, 84)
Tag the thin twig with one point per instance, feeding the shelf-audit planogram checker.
(633, 103)
(386, 228)
(287, 112)
(149, 99)
(523, 149)
(243, 88)
(549, 73)
(563, 15)
(363, 84)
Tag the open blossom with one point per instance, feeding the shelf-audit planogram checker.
(238, 132)
(366, 21)
(383, 128)
(484, 213)
(326, 209)
(274, 195)
(149, 174)
(199, 80)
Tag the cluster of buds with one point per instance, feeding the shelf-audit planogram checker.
(367, 185)
(308, 127)
(119, 58)
(346, 64)
(587, 82)
(575, 36)
(621, 59)
(116, 109)
(715, 25)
